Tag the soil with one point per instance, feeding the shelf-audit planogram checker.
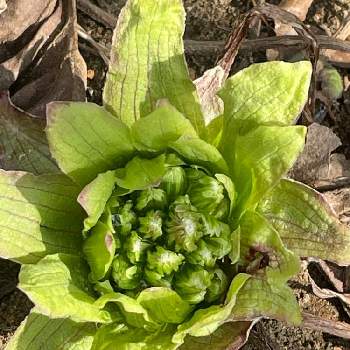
(213, 20)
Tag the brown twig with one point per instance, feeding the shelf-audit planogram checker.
(97, 13)
(334, 184)
(325, 42)
(339, 329)
(102, 50)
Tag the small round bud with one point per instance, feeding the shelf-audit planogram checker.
(191, 282)
(218, 286)
(125, 274)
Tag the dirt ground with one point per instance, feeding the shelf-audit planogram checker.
(213, 20)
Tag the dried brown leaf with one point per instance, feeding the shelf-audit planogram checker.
(321, 141)
(39, 58)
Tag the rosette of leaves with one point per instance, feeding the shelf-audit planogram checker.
(162, 230)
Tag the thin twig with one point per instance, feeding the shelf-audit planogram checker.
(102, 50)
(97, 13)
(333, 184)
(337, 328)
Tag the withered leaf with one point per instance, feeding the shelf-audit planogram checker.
(39, 57)
(23, 144)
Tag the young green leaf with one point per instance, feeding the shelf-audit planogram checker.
(94, 196)
(99, 249)
(198, 152)
(306, 223)
(148, 63)
(271, 93)
(155, 131)
(86, 140)
(39, 332)
(59, 286)
(134, 314)
(124, 337)
(164, 305)
(39, 215)
(265, 154)
(141, 173)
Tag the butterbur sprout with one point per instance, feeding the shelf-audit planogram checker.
(163, 224)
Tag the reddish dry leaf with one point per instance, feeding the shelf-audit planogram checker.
(39, 58)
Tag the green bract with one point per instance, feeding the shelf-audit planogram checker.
(137, 242)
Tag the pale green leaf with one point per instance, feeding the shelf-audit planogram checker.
(229, 187)
(214, 130)
(148, 63)
(94, 196)
(134, 314)
(86, 140)
(265, 154)
(270, 93)
(39, 215)
(236, 245)
(58, 285)
(198, 152)
(259, 298)
(23, 141)
(38, 332)
(99, 249)
(141, 173)
(164, 305)
(306, 223)
(155, 131)
(125, 337)
(206, 321)
(259, 236)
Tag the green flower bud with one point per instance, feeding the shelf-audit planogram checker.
(125, 220)
(205, 192)
(202, 256)
(184, 227)
(164, 261)
(174, 183)
(135, 247)
(125, 274)
(214, 227)
(191, 283)
(156, 279)
(222, 210)
(219, 246)
(218, 286)
(151, 225)
(151, 198)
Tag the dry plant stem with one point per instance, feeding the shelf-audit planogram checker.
(101, 49)
(334, 185)
(343, 33)
(215, 47)
(96, 13)
(339, 329)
